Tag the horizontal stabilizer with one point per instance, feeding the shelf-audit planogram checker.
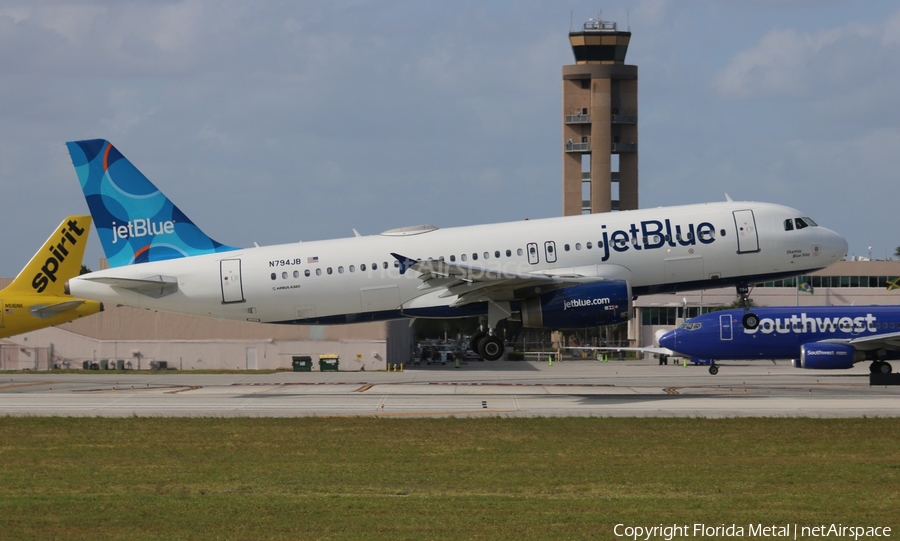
(152, 286)
(44, 311)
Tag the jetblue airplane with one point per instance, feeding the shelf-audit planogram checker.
(569, 272)
(817, 337)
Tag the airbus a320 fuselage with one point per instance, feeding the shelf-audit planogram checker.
(565, 272)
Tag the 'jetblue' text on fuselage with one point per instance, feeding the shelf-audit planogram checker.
(651, 234)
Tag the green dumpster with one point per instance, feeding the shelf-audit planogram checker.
(104, 364)
(302, 363)
(120, 364)
(328, 363)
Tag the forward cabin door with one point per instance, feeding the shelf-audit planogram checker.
(748, 241)
(725, 331)
(532, 253)
(232, 289)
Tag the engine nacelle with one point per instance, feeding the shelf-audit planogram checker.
(825, 356)
(586, 305)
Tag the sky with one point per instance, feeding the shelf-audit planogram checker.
(282, 121)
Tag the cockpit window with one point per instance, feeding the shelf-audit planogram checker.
(789, 225)
(800, 223)
(809, 221)
(691, 326)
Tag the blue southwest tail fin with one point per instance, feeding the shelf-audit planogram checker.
(135, 221)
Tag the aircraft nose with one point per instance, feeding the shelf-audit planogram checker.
(834, 246)
(668, 340)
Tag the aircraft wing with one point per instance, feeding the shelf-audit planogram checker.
(653, 350)
(889, 341)
(152, 286)
(44, 311)
(477, 284)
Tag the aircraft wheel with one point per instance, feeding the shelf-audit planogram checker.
(491, 348)
(714, 370)
(750, 321)
(885, 368)
(476, 340)
(873, 368)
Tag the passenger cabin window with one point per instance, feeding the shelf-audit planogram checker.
(519, 251)
(452, 258)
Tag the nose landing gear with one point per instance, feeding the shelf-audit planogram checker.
(750, 320)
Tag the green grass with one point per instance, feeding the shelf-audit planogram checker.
(569, 478)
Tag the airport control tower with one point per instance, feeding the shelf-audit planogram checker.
(600, 107)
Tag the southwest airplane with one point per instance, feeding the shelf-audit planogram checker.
(36, 298)
(817, 337)
(578, 271)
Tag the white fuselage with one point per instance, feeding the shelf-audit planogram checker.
(357, 278)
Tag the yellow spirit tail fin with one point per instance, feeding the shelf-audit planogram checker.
(58, 260)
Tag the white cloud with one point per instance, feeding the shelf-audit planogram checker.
(780, 65)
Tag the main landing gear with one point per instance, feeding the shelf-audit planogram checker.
(880, 367)
(486, 342)
(750, 320)
(489, 346)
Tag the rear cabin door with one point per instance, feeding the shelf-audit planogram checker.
(232, 289)
(725, 331)
(746, 231)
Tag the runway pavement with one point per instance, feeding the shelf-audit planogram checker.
(507, 389)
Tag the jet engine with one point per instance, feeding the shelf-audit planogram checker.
(583, 305)
(826, 356)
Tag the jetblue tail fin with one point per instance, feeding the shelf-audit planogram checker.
(135, 221)
(58, 260)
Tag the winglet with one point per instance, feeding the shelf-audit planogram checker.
(405, 262)
(135, 221)
(58, 259)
